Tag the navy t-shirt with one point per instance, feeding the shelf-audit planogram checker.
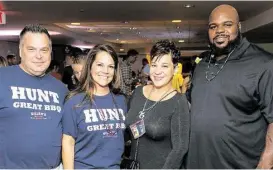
(97, 130)
(30, 119)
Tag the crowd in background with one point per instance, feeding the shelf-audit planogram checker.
(97, 113)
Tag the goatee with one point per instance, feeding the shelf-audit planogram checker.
(226, 50)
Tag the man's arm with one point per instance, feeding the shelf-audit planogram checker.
(265, 93)
(266, 160)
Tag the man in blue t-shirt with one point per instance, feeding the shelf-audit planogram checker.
(30, 106)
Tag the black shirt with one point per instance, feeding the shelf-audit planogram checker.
(165, 143)
(67, 77)
(230, 113)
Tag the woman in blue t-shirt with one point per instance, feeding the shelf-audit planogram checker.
(94, 115)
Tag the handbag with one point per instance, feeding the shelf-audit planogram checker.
(127, 163)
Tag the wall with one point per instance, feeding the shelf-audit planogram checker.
(7, 47)
(267, 46)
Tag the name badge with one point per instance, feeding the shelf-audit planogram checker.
(138, 129)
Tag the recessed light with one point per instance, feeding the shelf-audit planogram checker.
(75, 23)
(117, 39)
(121, 49)
(83, 46)
(176, 20)
(188, 6)
(181, 41)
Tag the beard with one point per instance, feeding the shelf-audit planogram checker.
(226, 50)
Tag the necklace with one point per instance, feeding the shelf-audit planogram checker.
(104, 119)
(213, 75)
(143, 111)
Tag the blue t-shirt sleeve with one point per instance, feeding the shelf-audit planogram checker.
(146, 69)
(69, 120)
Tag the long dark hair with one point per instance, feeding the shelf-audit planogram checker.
(86, 83)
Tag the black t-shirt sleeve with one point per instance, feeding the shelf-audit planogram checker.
(67, 77)
(265, 92)
(180, 125)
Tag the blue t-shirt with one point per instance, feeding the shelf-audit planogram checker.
(97, 130)
(30, 119)
(146, 69)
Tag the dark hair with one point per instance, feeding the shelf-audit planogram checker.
(53, 64)
(164, 47)
(80, 58)
(131, 52)
(3, 62)
(144, 60)
(86, 81)
(34, 28)
(10, 56)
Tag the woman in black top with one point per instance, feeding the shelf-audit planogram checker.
(158, 118)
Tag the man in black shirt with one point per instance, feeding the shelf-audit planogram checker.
(68, 71)
(231, 100)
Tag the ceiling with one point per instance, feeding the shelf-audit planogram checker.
(130, 24)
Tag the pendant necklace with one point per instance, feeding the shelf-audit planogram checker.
(143, 111)
(213, 75)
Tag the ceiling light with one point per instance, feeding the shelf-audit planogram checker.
(176, 20)
(117, 39)
(79, 26)
(181, 41)
(17, 32)
(188, 6)
(75, 23)
(134, 28)
(54, 33)
(91, 30)
(121, 49)
(84, 46)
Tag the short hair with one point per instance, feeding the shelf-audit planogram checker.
(164, 47)
(10, 56)
(145, 60)
(79, 58)
(131, 52)
(34, 28)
